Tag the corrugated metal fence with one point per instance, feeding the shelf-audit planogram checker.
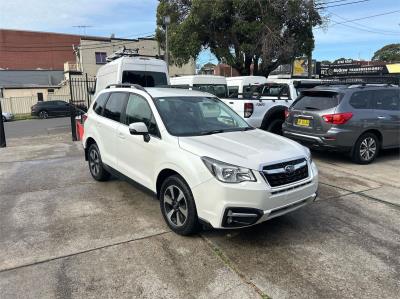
(22, 105)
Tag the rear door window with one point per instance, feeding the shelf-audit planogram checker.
(115, 105)
(361, 100)
(317, 101)
(386, 99)
(144, 78)
(100, 102)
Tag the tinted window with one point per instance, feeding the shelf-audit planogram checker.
(99, 103)
(220, 90)
(317, 101)
(361, 100)
(145, 79)
(272, 90)
(386, 99)
(138, 110)
(233, 91)
(114, 106)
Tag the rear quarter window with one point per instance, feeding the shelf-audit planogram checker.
(317, 101)
(361, 100)
(100, 102)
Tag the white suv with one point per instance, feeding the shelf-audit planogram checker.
(200, 158)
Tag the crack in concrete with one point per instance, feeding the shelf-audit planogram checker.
(83, 252)
(231, 265)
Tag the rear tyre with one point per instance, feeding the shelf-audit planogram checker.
(178, 207)
(275, 126)
(365, 149)
(43, 114)
(96, 167)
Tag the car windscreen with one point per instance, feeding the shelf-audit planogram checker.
(219, 90)
(195, 116)
(144, 78)
(320, 100)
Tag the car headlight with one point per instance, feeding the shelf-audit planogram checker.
(228, 173)
(308, 153)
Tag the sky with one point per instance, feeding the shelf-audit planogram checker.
(136, 18)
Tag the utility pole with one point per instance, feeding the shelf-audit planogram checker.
(2, 134)
(309, 56)
(166, 21)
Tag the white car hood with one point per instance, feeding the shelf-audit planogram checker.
(248, 149)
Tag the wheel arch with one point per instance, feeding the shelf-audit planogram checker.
(376, 132)
(88, 143)
(164, 174)
(275, 112)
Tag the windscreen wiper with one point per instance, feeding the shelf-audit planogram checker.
(310, 108)
(211, 132)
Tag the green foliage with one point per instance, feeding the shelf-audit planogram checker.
(239, 32)
(389, 53)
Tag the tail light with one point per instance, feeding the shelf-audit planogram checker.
(248, 109)
(287, 113)
(337, 118)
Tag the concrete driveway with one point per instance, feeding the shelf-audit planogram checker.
(37, 127)
(64, 235)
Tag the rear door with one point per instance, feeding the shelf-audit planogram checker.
(107, 127)
(307, 112)
(386, 110)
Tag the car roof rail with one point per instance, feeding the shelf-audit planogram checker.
(126, 85)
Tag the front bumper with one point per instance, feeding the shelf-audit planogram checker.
(252, 202)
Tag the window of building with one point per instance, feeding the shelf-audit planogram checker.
(101, 57)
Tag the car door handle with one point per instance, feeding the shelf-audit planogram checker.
(381, 117)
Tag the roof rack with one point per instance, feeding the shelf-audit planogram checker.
(126, 85)
(124, 52)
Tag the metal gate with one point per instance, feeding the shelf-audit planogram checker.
(82, 88)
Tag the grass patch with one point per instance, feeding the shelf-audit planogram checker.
(23, 116)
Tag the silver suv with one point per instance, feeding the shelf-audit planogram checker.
(358, 119)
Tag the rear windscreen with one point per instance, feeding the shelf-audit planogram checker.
(317, 101)
(220, 90)
(145, 79)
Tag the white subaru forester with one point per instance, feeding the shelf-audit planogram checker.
(200, 158)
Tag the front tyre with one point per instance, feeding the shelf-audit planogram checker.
(96, 166)
(366, 149)
(276, 126)
(178, 207)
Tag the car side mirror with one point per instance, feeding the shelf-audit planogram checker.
(140, 128)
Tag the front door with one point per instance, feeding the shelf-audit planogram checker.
(136, 157)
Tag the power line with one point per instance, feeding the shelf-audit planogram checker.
(320, 6)
(362, 25)
(369, 17)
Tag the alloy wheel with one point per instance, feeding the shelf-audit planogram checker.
(43, 114)
(368, 149)
(94, 162)
(175, 205)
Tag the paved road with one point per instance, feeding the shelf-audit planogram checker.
(36, 127)
(63, 235)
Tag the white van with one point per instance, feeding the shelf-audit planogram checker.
(145, 71)
(243, 85)
(215, 85)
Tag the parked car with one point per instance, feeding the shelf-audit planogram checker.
(356, 119)
(7, 116)
(215, 85)
(263, 105)
(45, 109)
(200, 158)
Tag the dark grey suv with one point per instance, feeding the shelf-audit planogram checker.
(359, 119)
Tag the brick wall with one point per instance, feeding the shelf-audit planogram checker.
(26, 50)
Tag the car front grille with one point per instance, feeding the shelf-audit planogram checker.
(286, 172)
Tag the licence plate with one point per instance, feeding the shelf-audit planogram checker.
(303, 122)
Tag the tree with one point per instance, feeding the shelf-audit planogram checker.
(389, 53)
(265, 33)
